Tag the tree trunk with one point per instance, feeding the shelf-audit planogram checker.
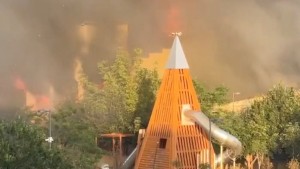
(260, 159)
(250, 161)
(249, 158)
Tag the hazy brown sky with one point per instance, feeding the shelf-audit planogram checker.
(245, 45)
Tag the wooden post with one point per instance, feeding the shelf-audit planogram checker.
(234, 163)
(114, 153)
(121, 149)
(221, 163)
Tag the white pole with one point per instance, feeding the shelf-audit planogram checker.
(49, 139)
(50, 129)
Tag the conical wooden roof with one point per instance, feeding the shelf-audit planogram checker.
(171, 138)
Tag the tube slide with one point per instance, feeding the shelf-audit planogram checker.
(234, 146)
(128, 163)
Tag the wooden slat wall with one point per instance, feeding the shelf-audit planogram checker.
(184, 142)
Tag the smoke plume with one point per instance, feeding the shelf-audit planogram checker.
(245, 45)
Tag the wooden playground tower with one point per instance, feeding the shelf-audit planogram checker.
(172, 140)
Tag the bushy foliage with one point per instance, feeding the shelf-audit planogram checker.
(148, 83)
(210, 98)
(270, 126)
(275, 119)
(125, 96)
(23, 145)
(75, 133)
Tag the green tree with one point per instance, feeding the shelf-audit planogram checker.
(270, 126)
(281, 107)
(210, 98)
(119, 89)
(123, 100)
(126, 96)
(147, 85)
(23, 146)
(292, 138)
(257, 142)
(75, 133)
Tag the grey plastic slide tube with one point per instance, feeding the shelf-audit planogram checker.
(128, 163)
(233, 145)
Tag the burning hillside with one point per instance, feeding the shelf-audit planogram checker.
(35, 101)
(247, 46)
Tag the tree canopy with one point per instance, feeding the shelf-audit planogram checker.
(210, 98)
(268, 128)
(23, 145)
(274, 119)
(125, 96)
(75, 134)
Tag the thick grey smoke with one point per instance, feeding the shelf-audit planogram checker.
(245, 45)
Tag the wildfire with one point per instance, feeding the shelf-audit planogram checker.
(33, 101)
(30, 100)
(19, 84)
(173, 24)
(173, 20)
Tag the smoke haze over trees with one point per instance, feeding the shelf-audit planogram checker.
(247, 46)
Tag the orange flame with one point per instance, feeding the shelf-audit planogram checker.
(34, 102)
(173, 18)
(19, 84)
(43, 102)
(30, 100)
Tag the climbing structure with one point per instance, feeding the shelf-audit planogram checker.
(171, 139)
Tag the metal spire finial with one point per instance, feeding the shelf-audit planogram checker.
(177, 58)
(176, 34)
